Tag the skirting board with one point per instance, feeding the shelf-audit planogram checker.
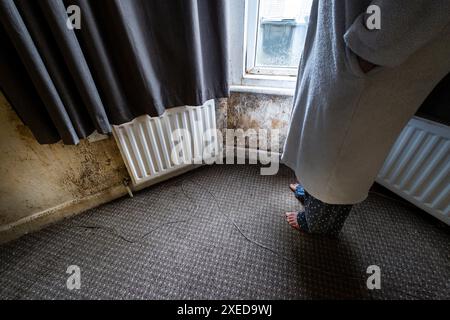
(165, 177)
(250, 154)
(44, 218)
(40, 220)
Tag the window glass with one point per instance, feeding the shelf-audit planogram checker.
(281, 32)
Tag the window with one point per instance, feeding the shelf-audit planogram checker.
(266, 42)
(276, 31)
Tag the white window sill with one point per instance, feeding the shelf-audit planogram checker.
(270, 77)
(263, 90)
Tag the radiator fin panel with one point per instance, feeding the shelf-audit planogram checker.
(147, 144)
(418, 167)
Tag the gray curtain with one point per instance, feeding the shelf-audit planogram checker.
(130, 57)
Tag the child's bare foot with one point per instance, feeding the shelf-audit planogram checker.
(291, 218)
(299, 192)
(293, 186)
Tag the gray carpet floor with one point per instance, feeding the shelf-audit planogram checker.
(219, 233)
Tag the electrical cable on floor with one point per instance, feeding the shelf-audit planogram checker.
(117, 233)
(238, 228)
(263, 246)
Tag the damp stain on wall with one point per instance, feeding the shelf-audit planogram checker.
(38, 177)
(221, 113)
(98, 169)
(259, 111)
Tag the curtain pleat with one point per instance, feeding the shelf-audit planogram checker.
(130, 57)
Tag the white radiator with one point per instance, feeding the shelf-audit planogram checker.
(154, 146)
(418, 167)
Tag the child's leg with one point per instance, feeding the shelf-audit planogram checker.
(324, 218)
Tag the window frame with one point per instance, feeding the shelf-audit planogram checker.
(240, 14)
(251, 45)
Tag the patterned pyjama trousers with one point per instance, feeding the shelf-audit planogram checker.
(322, 218)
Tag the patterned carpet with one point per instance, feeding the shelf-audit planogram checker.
(219, 233)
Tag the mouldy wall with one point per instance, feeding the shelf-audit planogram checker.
(259, 111)
(41, 184)
(221, 113)
(36, 178)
